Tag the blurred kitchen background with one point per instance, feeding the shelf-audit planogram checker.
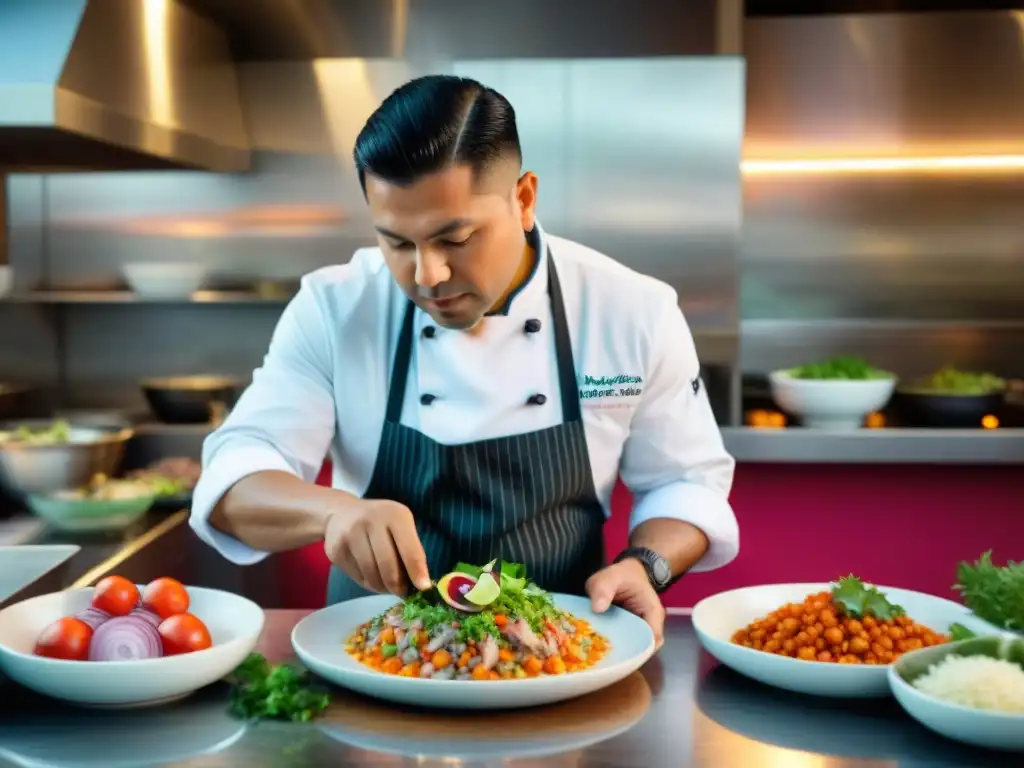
(840, 183)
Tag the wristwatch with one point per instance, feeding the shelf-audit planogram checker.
(659, 572)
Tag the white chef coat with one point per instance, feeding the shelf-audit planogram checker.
(323, 387)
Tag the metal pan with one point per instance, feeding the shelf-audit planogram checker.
(945, 411)
(191, 399)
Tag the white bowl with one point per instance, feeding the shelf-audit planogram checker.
(978, 727)
(164, 280)
(830, 403)
(717, 618)
(234, 623)
(319, 641)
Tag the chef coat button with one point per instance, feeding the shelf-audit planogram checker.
(532, 325)
(429, 332)
(537, 400)
(427, 399)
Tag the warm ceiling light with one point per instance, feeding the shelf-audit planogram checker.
(942, 164)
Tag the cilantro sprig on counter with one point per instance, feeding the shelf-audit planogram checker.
(858, 600)
(264, 691)
(993, 592)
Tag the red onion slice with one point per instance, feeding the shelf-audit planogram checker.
(93, 617)
(125, 638)
(148, 615)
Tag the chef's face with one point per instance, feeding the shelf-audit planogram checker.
(454, 243)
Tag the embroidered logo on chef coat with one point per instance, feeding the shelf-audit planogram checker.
(607, 388)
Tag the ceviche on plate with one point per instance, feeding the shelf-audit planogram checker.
(483, 637)
(478, 623)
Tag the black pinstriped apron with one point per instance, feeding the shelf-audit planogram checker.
(526, 498)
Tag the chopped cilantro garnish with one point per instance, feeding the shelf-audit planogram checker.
(274, 692)
(958, 631)
(857, 599)
(519, 597)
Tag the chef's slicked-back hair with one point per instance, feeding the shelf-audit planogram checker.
(432, 123)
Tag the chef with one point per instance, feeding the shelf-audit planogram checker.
(480, 385)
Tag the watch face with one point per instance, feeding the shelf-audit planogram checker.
(662, 572)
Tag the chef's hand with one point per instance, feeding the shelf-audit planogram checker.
(626, 584)
(375, 542)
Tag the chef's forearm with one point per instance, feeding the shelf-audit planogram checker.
(275, 511)
(681, 543)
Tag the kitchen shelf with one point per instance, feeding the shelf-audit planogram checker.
(187, 430)
(797, 445)
(128, 297)
(876, 446)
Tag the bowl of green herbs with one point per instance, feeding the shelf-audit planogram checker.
(837, 393)
(950, 398)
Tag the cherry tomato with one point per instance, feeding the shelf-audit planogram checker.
(165, 597)
(116, 595)
(66, 639)
(184, 633)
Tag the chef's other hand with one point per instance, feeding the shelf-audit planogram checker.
(626, 584)
(375, 542)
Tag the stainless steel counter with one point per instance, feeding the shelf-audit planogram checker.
(876, 446)
(681, 710)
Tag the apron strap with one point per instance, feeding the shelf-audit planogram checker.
(563, 355)
(400, 371)
(567, 381)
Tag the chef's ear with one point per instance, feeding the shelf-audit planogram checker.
(526, 199)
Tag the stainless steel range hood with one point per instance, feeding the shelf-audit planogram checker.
(114, 85)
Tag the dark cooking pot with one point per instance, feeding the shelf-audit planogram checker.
(931, 409)
(19, 402)
(191, 399)
(1012, 414)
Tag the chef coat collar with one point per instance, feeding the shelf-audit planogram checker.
(526, 300)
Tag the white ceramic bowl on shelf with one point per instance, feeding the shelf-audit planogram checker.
(234, 622)
(164, 280)
(830, 403)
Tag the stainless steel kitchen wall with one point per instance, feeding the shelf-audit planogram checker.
(911, 266)
(637, 158)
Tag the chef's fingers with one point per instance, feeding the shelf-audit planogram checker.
(362, 551)
(602, 587)
(648, 605)
(389, 565)
(340, 555)
(407, 541)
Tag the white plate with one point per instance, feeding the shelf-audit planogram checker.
(717, 618)
(319, 641)
(23, 564)
(978, 727)
(234, 623)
